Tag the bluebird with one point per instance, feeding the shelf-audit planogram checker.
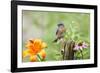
(60, 32)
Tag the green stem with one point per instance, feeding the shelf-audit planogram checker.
(39, 58)
(81, 53)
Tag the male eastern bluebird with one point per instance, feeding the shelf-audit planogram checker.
(60, 32)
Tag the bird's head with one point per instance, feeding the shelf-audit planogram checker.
(60, 25)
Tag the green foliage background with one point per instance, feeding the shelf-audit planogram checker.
(37, 24)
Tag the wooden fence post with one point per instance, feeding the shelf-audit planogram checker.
(68, 53)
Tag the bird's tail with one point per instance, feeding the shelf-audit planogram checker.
(58, 39)
(55, 40)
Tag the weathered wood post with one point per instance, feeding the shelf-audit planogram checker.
(68, 53)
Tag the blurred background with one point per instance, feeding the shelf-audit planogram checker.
(43, 25)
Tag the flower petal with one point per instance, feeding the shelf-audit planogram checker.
(33, 58)
(25, 53)
(76, 47)
(44, 45)
(42, 53)
(84, 45)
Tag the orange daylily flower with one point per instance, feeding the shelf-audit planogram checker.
(34, 47)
